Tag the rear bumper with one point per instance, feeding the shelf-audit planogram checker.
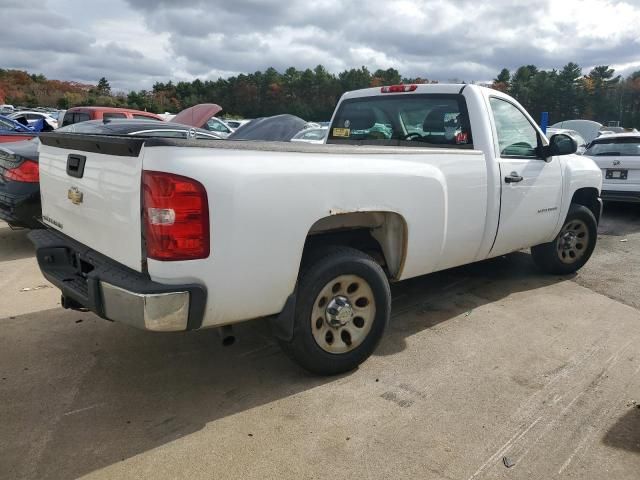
(21, 209)
(620, 196)
(90, 280)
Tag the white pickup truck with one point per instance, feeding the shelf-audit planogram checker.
(178, 234)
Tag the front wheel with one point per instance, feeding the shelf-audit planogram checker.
(573, 246)
(342, 309)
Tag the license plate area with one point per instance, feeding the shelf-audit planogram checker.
(616, 174)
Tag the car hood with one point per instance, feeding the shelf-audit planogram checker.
(197, 115)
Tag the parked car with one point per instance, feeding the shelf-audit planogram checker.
(57, 114)
(6, 109)
(218, 126)
(32, 118)
(83, 114)
(171, 235)
(618, 155)
(12, 131)
(278, 128)
(581, 142)
(19, 169)
(203, 116)
(19, 187)
(311, 135)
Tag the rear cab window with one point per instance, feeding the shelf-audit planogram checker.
(145, 117)
(75, 117)
(413, 120)
(109, 115)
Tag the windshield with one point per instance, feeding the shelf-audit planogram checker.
(438, 120)
(615, 147)
(312, 134)
(6, 124)
(11, 125)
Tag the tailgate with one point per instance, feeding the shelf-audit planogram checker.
(90, 189)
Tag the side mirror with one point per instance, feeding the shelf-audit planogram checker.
(560, 144)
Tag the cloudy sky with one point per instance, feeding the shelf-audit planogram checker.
(135, 43)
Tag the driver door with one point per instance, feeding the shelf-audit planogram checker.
(531, 188)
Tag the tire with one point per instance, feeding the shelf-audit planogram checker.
(573, 246)
(343, 307)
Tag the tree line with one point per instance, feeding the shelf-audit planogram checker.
(600, 95)
(312, 93)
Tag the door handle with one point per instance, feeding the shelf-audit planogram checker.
(513, 177)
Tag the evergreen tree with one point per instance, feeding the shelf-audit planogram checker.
(103, 88)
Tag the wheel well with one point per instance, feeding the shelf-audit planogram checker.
(589, 198)
(379, 234)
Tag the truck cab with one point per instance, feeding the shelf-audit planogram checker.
(527, 181)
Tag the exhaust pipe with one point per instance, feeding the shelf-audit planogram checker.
(227, 336)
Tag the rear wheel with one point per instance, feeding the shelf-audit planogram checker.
(342, 309)
(573, 246)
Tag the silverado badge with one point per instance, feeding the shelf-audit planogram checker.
(75, 195)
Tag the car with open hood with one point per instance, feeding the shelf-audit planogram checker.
(203, 116)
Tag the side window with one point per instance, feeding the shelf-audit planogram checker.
(516, 136)
(81, 117)
(216, 126)
(69, 119)
(109, 115)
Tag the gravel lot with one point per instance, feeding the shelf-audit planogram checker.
(484, 362)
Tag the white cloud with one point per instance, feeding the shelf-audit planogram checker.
(135, 43)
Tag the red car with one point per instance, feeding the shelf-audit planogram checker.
(82, 114)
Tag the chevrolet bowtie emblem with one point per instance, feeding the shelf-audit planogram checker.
(75, 195)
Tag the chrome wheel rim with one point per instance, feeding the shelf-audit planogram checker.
(573, 241)
(343, 314)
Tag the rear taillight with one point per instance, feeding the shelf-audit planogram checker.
(28, 172)
(176, 217)
(398, 88)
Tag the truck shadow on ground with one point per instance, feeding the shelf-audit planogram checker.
(14, 244)
(425, 302)
(619, 219)
(90, 394)
(625, 433)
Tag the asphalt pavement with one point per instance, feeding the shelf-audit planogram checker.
(488, 371)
